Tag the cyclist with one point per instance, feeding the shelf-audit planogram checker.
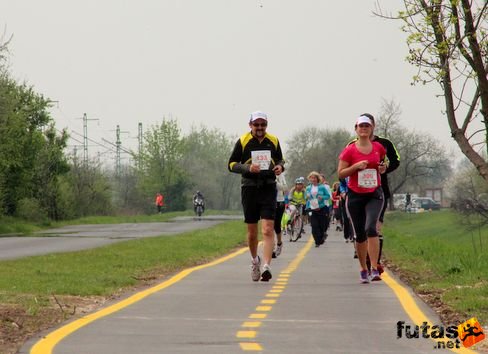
(296, 201)
(198, 199)
(296, 196)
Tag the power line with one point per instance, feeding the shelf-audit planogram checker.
(85, 137)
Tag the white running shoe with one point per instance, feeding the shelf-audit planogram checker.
(256, 269)
(279, 248)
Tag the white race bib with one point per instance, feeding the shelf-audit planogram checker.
(314, 203)
(261, 158)
(368, 178)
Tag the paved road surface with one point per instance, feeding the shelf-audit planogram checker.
(79, 237)
(313, 304)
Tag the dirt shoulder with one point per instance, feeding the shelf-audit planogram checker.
(17, 325)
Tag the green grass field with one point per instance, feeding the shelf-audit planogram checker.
(107, 270)
(442, 255)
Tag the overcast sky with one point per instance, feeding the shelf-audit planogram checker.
(305, 62)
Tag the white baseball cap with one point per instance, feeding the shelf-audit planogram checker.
(258, 115)
(364, 119)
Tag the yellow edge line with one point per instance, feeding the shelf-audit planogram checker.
(291, 267)
(47, 344)
(411, 308)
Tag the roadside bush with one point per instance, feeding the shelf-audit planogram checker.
(30, 209)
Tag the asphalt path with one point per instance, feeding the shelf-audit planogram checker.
(79, 237)
(313, 304)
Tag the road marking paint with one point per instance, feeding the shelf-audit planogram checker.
(272, 295)
(250, 346)
(278, 291)
(246, 334)
(47, 343)
(264, 308)
(253, 324)
(411, 308)
(275, 292)
(258, 315)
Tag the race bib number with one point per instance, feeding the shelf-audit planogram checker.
(368, 178)
(314, 203)
(261, 158)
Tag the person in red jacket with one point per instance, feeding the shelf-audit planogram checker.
(159, 202)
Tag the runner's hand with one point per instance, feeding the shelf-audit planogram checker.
(254, 168)
(278, 169)
(361, 165)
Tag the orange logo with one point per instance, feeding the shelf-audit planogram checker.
(470, 332)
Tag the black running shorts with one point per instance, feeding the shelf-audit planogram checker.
(258, 202)
(364, 211)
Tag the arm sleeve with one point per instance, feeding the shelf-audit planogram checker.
(235, 164)
(345, 155)
(326, 193)
(393, 157)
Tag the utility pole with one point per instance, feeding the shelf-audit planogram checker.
(118, 144)
(85, 138)
(75, 155)
(139, 139)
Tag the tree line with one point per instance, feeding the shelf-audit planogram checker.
(39, 181)
(424, 162)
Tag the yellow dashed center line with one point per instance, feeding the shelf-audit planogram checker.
(250, 324)
(251, 347)
(258, 315)
(263, 308)
(272, 295)
(246, 334)
(274, 292)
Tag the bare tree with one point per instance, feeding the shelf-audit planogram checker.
(448, 43)
(423, 159)
(315, 149)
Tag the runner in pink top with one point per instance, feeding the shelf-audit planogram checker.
(362, 162)
(351, 154)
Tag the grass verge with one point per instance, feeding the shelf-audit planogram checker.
(39, 292)
(444, 261)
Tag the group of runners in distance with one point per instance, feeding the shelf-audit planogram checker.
(357, 202)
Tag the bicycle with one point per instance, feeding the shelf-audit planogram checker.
(295, 228)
